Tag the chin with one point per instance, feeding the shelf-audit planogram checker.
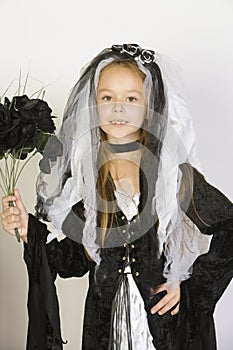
(124, 136)
(121, 133)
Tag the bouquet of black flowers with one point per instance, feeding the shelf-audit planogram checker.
(26, 124)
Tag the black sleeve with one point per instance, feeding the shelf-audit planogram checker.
(212, 272)
(210, 205)
(44, 261)
(67, 257)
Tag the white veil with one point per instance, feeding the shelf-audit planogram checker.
(71, 177)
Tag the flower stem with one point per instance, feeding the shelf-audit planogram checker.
(12, 204)
(3, 189)
(12, 175)
(25, 84)
(6, 169)
(17, 167)
(25, 163)
(20, 74)
(4, 182)
(4, 93)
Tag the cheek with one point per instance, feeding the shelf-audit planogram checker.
(104, 111)
(137, 115)
(104, 128)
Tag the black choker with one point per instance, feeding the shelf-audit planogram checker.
(125, 147)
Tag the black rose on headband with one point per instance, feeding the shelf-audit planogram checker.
(136, 52)
(147, 56)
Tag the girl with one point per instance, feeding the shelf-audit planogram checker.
(138, 215)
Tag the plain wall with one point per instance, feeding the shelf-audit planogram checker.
(53, 40)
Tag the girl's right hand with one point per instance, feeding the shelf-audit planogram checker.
(14, 217)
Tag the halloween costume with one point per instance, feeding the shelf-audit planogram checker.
(192, 328)
(158, 239)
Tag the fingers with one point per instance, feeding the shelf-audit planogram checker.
(169, 301)
(14, 217)
(10, 219)
(10, 211)
(176, 310)
(165, 304)
(16, 198)
(10, 214)
(6, 200)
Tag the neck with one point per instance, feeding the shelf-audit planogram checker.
(125, 147)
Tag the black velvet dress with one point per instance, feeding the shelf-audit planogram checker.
(192, 329)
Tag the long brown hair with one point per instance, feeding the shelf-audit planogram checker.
(186, 189)
(107, 192)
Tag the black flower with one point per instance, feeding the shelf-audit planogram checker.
(34, 111)
(136, 52)
(22, 121)
(9, 129)
(147, 56)
(26, 125)
(132, 50)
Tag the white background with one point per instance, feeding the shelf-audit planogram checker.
(53, 39)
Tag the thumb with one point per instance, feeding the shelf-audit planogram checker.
(19, 202)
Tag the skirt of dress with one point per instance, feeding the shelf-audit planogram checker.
(129, 318)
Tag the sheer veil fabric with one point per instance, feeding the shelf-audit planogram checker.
(70, 177)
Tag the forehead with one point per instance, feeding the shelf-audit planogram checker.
(120, 75)
(131, 66)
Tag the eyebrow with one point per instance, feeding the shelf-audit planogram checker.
(128, 91)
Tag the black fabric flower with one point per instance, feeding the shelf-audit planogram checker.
(34, 111)
(9, 129)
(26, 126)
(147, 56)
(22, 122)
(136, 52)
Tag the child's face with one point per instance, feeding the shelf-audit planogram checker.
(121, 103)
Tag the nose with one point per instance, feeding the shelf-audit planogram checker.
(118, 107)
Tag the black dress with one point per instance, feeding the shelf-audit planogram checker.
(192, 329)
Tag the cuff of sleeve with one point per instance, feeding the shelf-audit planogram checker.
(36, 237)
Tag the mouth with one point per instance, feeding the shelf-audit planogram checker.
(118, 122)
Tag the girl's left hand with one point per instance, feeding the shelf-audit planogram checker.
(170, 300)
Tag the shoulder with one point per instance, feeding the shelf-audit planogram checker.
(200, 184)
(203, 203)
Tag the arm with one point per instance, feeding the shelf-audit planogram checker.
(44, 261)
(209, 206)
(213, 271)
(212, 213)
(67, 258)
(207, 209)
(43, 311)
